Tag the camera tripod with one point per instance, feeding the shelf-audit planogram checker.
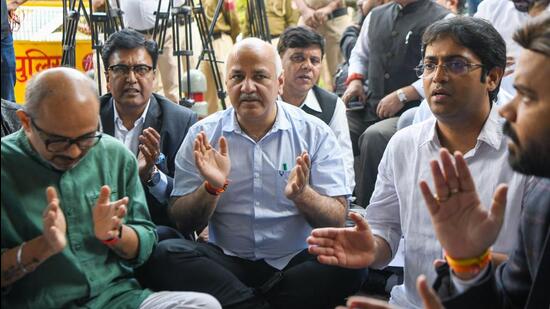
(257, 19)
(106, 22)
(184, 15)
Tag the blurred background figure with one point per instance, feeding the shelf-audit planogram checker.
(7, 76)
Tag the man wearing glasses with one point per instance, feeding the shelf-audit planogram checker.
(74, 218)
(463, 62)
(150, 125)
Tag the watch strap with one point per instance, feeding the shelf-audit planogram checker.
(402, 96)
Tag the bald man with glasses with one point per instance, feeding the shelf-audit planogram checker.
(74, 218)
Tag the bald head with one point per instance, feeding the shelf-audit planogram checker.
(59, 89)
(62, 108)
(258, 47)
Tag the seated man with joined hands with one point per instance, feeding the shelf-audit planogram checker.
(261, 174)
(76, 246)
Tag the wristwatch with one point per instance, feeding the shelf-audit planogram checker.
(401, 96)
(154, 179)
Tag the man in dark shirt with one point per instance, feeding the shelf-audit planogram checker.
(150, 125)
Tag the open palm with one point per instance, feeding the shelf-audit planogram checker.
(352, 247)
(213, 165)
(54, 224)
(462, 225)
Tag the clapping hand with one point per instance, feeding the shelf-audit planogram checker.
(108, 215)
(212, 164)
(54, 224)
(149, 150)
(462, 225)
(352, 247)
(299, 177)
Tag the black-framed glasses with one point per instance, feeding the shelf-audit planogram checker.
(140, 70)
(300, 58)
(455, 67)
(56, 143)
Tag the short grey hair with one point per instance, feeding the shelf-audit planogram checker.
(258, 43)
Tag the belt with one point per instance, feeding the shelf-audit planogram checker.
(337, 13)
(150, 31)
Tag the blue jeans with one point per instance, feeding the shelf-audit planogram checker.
(7, 77)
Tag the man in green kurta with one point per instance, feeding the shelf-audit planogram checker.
(74, 217)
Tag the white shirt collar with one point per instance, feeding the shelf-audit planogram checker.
(310, 101)
(491, 133)
(140, 120)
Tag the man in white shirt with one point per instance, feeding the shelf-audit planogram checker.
(506, 16)
(386, 53)
(302, 51)
(463, 61)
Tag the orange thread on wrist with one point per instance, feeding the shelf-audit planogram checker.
(213, 190)
(471, 265)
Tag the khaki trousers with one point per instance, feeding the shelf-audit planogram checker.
(222, 47)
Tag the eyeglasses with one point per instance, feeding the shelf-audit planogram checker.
(140, 70)
(455, 67)
(300, 58)
(59, 144)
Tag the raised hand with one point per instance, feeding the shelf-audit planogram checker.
(213, 165)
(149, 150)
(299, 177)
(108, 215)
(352, 247)
(462, 225)
(54, 224)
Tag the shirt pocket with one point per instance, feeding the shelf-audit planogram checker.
(282, 178)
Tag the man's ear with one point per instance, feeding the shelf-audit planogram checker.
(493, 78)
(24, 119)
(281, 80)
(107, 80)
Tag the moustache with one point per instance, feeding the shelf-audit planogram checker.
(510, 132)
(249, 97)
